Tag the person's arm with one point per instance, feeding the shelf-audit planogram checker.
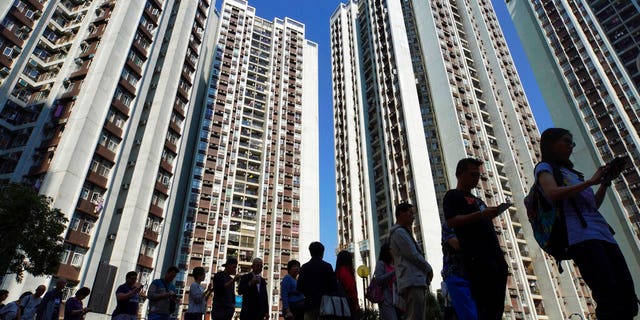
(10, 311)
(555, 193)
(408, 250)
(284, 293)
(300, 283)
(73, 308)
(381, 275)
(122, 295)
(453, 207)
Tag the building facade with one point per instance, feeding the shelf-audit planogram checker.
(256, 151)
(96, 99)
(580, 60)
(417, 86)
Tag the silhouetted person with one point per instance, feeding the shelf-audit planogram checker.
(73, 309)
(345, 274)
(49, 308)
(30, 303)
(385, 275)
(590, 239)
(162, 295)
(292, 299)
(413, 272)
(253, 288)
(224, 291)
(12, 310)
(483, 259)
(198, 295)
(315, 280)
(458, 287)
(128, 298)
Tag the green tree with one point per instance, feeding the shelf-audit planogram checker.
(30, 232)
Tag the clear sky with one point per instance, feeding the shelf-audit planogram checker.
(315, 15)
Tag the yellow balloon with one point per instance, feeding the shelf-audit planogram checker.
(363, 271)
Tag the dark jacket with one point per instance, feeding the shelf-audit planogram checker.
(255, 305)
(316, 279)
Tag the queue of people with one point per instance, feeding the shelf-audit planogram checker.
(474, 267)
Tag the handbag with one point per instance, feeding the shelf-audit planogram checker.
(334, 306)
(374, 292)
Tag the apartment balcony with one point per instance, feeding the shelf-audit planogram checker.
(155, 210)
(150, 235)
(171, 146)
(141, 49)
(39, 168)
(174, 126)
(97, 179)
(166, 166)
(80, 73)
(151, 16)
(5, 62)
(78, 238)
(118, 105)
(145, 261)
(68, 272)
(9, 35)
(21, 17)
(86, 207)
(162, 188)
(36, 4)
(106, 153)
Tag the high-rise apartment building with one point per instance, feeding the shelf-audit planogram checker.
(254, 182)
(620, 22)
(579, 57)
(417, 86)
(96, 98)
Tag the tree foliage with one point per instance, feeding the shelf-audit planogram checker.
(30, 232)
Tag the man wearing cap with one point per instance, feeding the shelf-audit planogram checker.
(224, 291)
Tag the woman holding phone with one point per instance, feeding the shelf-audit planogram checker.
(591, 243)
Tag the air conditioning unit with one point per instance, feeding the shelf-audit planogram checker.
(125, 186)
(143, 122)
(131, 163)
(138, 142)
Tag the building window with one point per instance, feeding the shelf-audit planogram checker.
(64, 257)
(75, 222)
(7, 51)
(77, 258)
(86, 227)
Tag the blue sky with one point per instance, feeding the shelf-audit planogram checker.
(315, 15)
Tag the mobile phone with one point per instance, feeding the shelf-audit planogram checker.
(504, 206)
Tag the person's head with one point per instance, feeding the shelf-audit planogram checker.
(61, 283)
(316, 249)
(131, 278)
(468, 173)
(171, 274)
(3, 295)
(83, 293)
(256, 265)
(344, 259)
(293, 268)
(556, 146)
(231, 265)
(40, 290)
(404, 214)
(198, 274)
(385, 254)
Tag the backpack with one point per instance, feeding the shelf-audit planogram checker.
(548, 220)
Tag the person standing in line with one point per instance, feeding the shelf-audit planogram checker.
(198, 296)
(49, 307)
(224, 291)
(385, 276)
(253, 288)
(127, 298)
(292, 299)
(413, 272)
(345, 274)
(592, 246)
(458, 287)
(13, 309)
(73, 308)
(30, 303)
(483, 259)
(316, 279)
(162, 296)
